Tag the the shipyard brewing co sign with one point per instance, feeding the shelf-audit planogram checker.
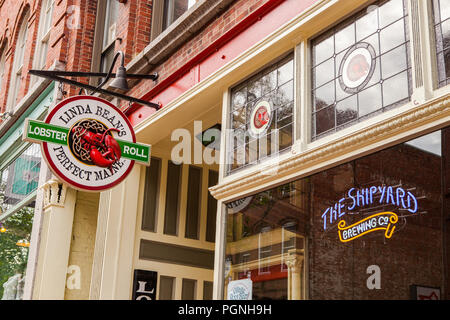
(88, 143)
(362, 198)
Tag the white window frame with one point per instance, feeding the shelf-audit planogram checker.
(159, 13)
(2, 65)
(19, 54)
(100, 48)
(45, 27)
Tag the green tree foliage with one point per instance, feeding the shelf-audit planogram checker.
(13, 258)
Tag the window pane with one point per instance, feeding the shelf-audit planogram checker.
(393, 62)
(172, 198)
(269, 82)
(367, 25)
(188, 290)
(442, 33)
(21, 177)
(266, 232)
(323, 50)
(325, 120)
(15, 239)
(173, 9)
(324, 96)
(213, 179)
(106, 60)
(151, 194)
(390, 12)
(18, 182)
(445, 27)
(346, 110)
(48, 16)
(21, 43)
(207, 290)
(109, 33)
(345, 38)
(2, 67)
(286, 72)
(324, 73)
(260, 106)
(445, 9)
(394, 89)
(166, 288)
(392, 36)
(193, 202)
(360, 66)
(369, 100)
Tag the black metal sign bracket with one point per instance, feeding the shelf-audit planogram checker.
(59, 76)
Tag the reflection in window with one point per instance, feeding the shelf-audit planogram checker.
(19, 181)
(109, 35)
(14, 243)
(360, 67)
(442, 31)
(45, 26)
(2, 64)
(20, 178)
(429, 143)
(19, 54)
(265, 236)
(262, 115)
(173, 9)
(264, 250)
(409, 180)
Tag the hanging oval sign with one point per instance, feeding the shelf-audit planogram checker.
(357, 67)
(88, 143)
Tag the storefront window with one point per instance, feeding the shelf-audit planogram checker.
(19, 181)
(372, 228)
(442, 31)
(15, 234)
(262, 115)
(360, 67)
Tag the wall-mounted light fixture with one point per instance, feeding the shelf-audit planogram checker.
(120, 81)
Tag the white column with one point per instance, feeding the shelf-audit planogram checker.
(112, 269)
(59, 206)
(295, 264)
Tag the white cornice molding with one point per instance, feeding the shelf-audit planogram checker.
(430, 114)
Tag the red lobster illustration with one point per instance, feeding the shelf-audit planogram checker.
(92, 142)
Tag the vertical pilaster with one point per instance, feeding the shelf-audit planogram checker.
(295, 264)
(59, 206)
(112, 274)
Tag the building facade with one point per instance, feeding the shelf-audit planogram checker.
(300, 151)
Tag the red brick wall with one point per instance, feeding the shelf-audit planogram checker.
(74, 47)
(12, 14)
